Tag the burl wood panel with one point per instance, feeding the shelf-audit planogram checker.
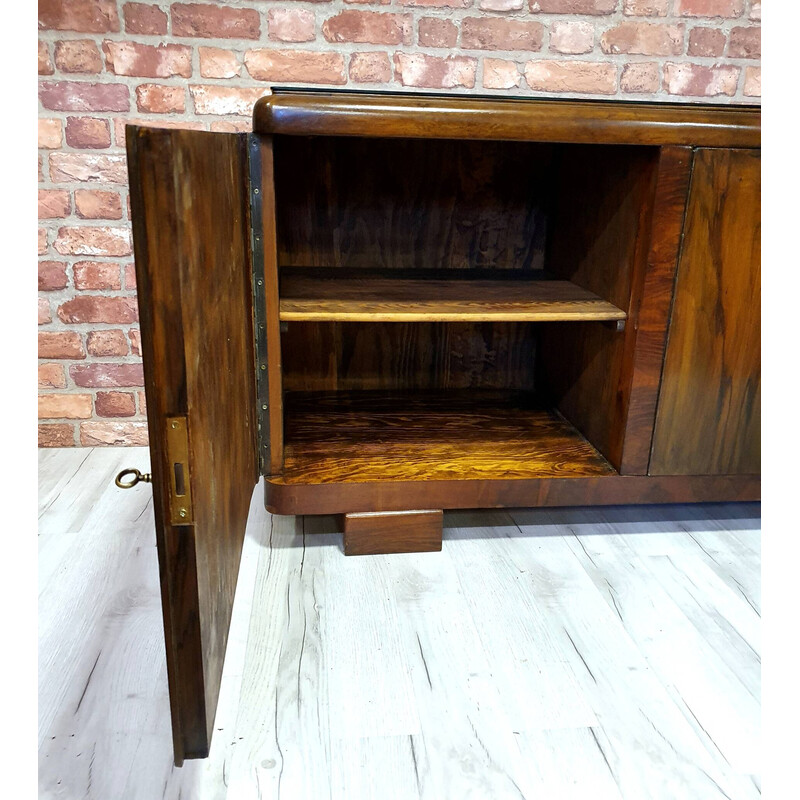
(378, 299)
(598, 239)
(709, 410)
(374, 533)
(376, 436)
(408, 356)
(373, 203)
(191, 240)
(430, 116)
(650, 320)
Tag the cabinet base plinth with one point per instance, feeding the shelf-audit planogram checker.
(381, 532)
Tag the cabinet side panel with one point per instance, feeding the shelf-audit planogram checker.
(709, 411)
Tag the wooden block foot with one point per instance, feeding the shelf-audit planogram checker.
(372, 533)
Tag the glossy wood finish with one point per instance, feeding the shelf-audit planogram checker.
(282, 497)
(347, 113)
(379, 299)
(410, 204)
(191, 239)
(409, 356)
(352, 437)
(373, 533)
(599, 233)
(272, 357)
(650, 319)
(709, 411)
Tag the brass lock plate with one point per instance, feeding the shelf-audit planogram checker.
(180, 485)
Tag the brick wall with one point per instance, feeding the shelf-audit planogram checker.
(202, 65)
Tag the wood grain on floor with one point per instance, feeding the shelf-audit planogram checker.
(547, 653)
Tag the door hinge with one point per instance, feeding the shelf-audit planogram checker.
(180, 478)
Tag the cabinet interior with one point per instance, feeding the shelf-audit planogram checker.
(456, 309)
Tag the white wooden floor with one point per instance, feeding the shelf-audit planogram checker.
(604, 653)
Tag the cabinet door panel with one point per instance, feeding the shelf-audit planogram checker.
(709, 411)
(189, 202)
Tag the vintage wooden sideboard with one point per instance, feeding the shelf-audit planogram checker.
(391, 304)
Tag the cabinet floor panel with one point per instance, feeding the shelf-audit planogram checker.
(352, 437)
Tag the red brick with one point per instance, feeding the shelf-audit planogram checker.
(142, 18)
(74, 96)
(372, 27)
(53, 203)
(571, 37)
(157, 99)
(709, 8)
(416, 69)
(58, 435)
(639, 78)
(44, 311)
(103, 375)
(755, 13)
(291, 25)
(87, 167)
(645, 8)
(45, 64)
(501, 5)
(224, 100)
(107, 343)
(218, 63)
(42, 241)
(706, 42)
(96, 275)
(593, 7)
(95, 308)
(437, 3)
(500, 34)
(93, 241)
(130, 276)
(147, 60)
(585, 77)
(93, 204)
(232, 126)
(85, 16)
(752, 82)
(50, 133)
(744, 43)
(500, 74)
(78, 55)
(115, 404)
(52, 276)
(60, 344)
(437, 32)
(644, 39)
(88, 132)
(142, 400)
(370, 68)
(136, 341)
(52, 376)
(296, 66)
(65, 406)
(113, 434)
(696, 80)
(214, 22)
(40, 162)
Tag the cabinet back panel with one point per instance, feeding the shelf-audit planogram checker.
(409, 204)
(408, 356)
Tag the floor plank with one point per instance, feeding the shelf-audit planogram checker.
(560, 653)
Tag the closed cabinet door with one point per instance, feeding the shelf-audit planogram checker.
(709, 411)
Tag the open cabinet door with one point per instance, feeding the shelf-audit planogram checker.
(191, 231)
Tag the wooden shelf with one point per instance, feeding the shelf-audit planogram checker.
(353, 437)
(315, 296)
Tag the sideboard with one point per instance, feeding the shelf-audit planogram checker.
(388, 305)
